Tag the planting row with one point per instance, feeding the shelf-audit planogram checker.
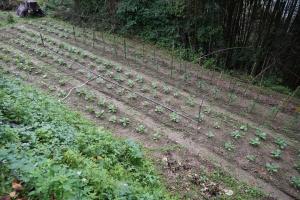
(233, 101)
(227, 145)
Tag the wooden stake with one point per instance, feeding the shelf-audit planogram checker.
(93, 39)
(115, 50)
(74, 34)
(84, 38)
(42, 39)
(199, 114)
(212, 76)
(124, 42)
(180, 64)
(143, 51)
(103, 41)
(154, 59)
(219, 78)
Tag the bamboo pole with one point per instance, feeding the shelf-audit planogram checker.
(42, 39)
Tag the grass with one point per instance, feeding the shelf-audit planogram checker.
(53, 151)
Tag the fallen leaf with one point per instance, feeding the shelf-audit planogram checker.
(13, 194)
(16, 185)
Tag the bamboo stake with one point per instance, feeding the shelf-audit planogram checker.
(42, 39)
(93, 38)
(143, 51)
(199, 114)
(103, 41)
(124, 43)
(74, 34)
(114, 44)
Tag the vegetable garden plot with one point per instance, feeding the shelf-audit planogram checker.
(229, 138)
(234, 103)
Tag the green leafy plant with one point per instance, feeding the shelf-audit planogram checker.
(139, 79)
(216, 125)
(176, 93)
(156, 136)
(113, 119)
(232, 97)
(159, 109)
(210, 134)
(102, 103)
(144, 89)
(130, 83)
(166, 89)
(174, 117)
(119, 69)
(90, 109)
(281, 143)
(229, 146)
(244, 128)
(190, 101)
(200, 117)
(124, 121)
(273, 111)
(295, 182)
(251, 158)
(297, 165)
(112, 108)
(154, 85)
(215, 93)
(276, 153)
(140, 128)
(262, 135)
(132, 96)
(10, 19)
(272, 168)
(255, 141)
(100, 114)
(236, 134)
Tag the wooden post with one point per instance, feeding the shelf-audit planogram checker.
(83, 34)
(212, 76)
(143, 51)
(124, 43)
(114, 44)
(93, 38)
(42, 39)
(103, 41)
(74, 34)
(233, 85)
(154, 59)
(172, 57)
(180, 64)
(198, 71)
(199, 114)
(219, 78)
